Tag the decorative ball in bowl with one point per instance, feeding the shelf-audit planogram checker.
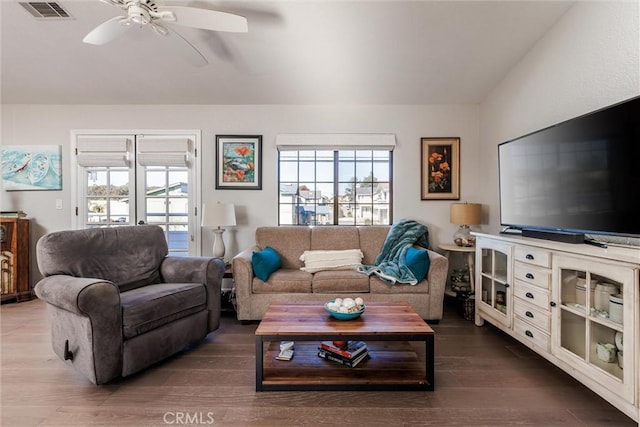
(345, 308)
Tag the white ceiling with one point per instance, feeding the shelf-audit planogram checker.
(296, 52)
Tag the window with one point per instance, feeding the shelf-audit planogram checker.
(335, 187)
(139, 179)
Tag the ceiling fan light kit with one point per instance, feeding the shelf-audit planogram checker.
(143, 12)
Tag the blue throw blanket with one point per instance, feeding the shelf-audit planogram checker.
(390, 265)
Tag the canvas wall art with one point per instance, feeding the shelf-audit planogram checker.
(31, 167)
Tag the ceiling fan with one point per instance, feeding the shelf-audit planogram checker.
(147, 13)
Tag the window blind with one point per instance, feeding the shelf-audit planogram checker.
(336, 141)
(101, 150)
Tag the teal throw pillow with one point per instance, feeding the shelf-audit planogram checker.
(418, 262)
(265, 262)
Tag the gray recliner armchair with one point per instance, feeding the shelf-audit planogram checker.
(118, 303)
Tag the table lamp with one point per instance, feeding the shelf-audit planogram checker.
(465, 214)
(218, 215)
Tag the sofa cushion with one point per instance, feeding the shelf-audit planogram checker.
(150, 307)
(335, 282)
(334, 237)
(284, 280)
(418, 262)
(379, 286)
(371, 240)
(348, 259)
(288, 241)
(265, 262)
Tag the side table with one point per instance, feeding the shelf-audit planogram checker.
(470, 252)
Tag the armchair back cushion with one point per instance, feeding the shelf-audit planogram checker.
(129, 257)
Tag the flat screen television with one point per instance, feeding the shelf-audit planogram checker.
(578, 177)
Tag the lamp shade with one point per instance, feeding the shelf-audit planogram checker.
(218, 215)
(465, 213)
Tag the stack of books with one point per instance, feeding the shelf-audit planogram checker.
(350, 355)
(12, 214)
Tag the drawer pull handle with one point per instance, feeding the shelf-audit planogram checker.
(528, 333)
(529, 314)
(529, 295)
(506, 285)
(529, 256)
(529, 276)
(552, 303)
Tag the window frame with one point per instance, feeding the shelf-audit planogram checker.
(336, 182)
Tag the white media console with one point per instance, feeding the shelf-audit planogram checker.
(552, 297)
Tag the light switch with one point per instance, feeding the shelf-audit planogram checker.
(58, 203)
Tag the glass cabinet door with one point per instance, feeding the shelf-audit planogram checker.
(593, 313)
(493, 261)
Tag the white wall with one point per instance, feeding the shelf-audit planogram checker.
(33, 124)
(588, 60)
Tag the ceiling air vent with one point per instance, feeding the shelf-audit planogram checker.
(46, 10)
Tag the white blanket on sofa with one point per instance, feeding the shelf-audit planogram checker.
(348, 259)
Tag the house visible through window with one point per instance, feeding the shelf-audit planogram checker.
(335, 187)
(127, 179)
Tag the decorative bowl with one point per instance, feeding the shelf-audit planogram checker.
(344, 316)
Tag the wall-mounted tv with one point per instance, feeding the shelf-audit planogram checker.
(578, 177)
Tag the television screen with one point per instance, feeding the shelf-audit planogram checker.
(581, 175)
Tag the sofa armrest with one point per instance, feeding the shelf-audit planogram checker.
(437, 278)
(206, 270)
(243, 279)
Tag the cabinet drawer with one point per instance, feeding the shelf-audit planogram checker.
(532, 274)
(532, 294)
(531, 334)
(532, 314)
(535, 256)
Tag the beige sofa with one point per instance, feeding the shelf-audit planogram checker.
(289, 283)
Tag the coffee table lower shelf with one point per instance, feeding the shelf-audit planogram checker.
(392, 365)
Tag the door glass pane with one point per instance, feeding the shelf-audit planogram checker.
(104, 202)
(167, 204)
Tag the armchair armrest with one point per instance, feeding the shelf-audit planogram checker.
(86, 322)
(79, 295)
(206, 270)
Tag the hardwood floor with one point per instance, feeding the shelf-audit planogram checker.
(483, 378)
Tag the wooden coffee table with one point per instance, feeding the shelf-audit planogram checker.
(387, 328)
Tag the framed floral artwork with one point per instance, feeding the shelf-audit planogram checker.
(239, 162)
(440, 169)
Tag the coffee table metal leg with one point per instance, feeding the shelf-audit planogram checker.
(430, 370)
(259, 362)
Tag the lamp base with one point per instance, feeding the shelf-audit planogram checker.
(463, 237)
(218, 243)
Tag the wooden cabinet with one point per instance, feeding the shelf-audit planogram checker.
(14, 258)
(557, 294)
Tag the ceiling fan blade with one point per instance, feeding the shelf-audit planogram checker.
(107, 31)
(206, 19)
(181, 45)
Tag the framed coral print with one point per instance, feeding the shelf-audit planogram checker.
(440, 169)
(239, 162)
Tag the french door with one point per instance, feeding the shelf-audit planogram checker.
(139, 178)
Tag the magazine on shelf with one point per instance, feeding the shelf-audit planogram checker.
(352, 363)
(350, 351)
